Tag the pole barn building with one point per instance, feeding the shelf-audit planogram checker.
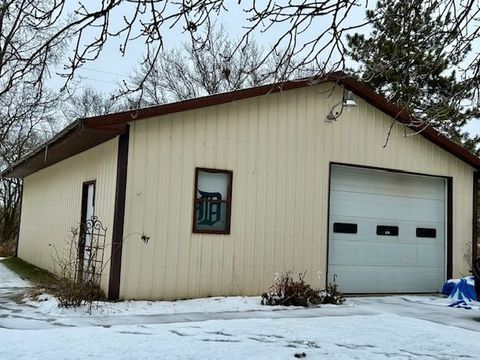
(234, 188)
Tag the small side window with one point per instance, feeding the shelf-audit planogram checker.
(212, 201)
(426, 233)
(345, 228)
(386, 230)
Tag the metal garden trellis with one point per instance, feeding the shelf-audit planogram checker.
(90, 250)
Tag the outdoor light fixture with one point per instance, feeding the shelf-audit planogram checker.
(348, 102)
(349, 99)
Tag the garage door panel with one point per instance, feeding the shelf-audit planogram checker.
(386, 183)
(373, 241)
(378, 254)
(386, 207)
(390, 279)
(407, 229)
(367, 231)
(366, 262)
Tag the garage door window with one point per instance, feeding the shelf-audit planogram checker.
(345, 228)
(384, 230)
(426, 233)
(213, 201)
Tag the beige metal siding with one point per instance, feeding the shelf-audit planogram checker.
(51, 204)
(279, 148)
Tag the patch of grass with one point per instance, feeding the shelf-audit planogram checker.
(37, 276)
(67, 292)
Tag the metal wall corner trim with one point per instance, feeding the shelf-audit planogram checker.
(475, 217)
(449, 228)
(118, 217)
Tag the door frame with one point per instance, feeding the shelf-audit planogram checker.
(83, 216)
(448, 261)
(85, 185)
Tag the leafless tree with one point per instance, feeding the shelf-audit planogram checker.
(28, 45)
(187, 72)
(89, 102)
(26, 120)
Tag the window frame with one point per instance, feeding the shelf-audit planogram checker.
(228, 201)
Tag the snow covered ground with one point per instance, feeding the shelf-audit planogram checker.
(353, 337)
(399, 327)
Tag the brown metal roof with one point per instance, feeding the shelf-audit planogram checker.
(87, 133)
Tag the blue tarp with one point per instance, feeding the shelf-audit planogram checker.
(460, 291)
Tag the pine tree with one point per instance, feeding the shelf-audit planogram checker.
(407, 59)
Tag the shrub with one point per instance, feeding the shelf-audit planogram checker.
(331, 295)
(7, 248)
(286, 291)
(79, 270)
(80, 265)
(71, 293)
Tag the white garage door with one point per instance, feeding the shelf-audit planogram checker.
(386, 231)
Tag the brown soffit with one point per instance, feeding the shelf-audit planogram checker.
(73, 140)
(89, 132)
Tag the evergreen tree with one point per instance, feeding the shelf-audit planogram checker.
(406, 58)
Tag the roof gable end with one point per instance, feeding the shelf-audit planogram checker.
(87, 133)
